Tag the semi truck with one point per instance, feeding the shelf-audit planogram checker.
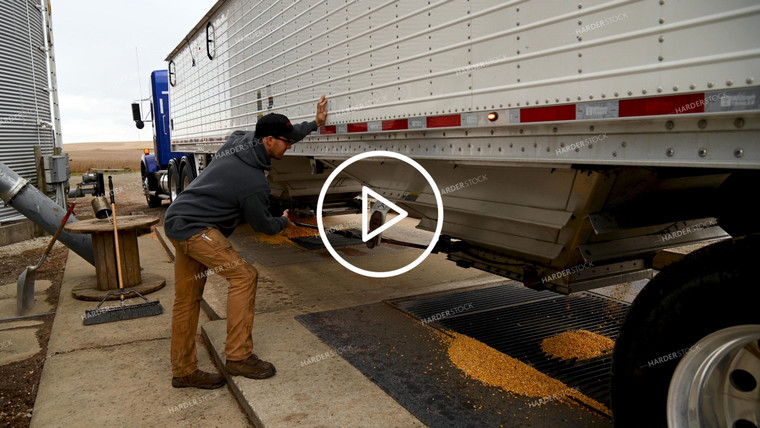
(167, 170)
(607, 130)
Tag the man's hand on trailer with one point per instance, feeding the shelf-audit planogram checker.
(321, 111)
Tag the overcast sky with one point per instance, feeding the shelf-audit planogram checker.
(95, 43)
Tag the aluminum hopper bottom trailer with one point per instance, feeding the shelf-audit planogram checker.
(563, 135)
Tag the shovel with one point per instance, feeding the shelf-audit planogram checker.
(25, 289)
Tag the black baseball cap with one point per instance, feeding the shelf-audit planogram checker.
(275, 125)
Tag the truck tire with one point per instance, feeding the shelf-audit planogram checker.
(710, 290)
(149, 184)
(187, 172)
(172, 175)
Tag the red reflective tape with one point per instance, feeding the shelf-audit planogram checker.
(395, 125)
(673, 104)
(356, 127)
(547, 114)
(444, 121)
(328, 129)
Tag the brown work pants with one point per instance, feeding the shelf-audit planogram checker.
(210, 253)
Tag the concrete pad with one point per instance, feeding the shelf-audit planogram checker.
(41, 306)
(301, 282)
(18, 324)
(8, 291)
(119, 374)
(326, 285)
(326, 394)
(18, 345)
(128, 385)
(69, 333)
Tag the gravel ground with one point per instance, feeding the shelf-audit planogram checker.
(19, 380)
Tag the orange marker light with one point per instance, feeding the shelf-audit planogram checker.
(493, 116)
(147, 151)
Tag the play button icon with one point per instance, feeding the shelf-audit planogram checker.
(402, 214)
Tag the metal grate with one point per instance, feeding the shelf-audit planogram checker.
(312, 243)
(515, 320)
(481, 298)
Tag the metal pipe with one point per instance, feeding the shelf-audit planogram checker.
(29, 201)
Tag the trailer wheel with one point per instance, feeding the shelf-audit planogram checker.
(172, 175)
(717, 385)
(148, 183)
(187, 173)
(708, 291)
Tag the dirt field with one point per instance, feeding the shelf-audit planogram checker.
(128, 196)
(86, 156)
(18, 388)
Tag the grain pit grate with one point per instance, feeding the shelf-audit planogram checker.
(515, 320)
(312, 243)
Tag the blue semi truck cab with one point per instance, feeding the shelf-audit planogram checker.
(164, 172)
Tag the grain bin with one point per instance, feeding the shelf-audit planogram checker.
(28, 111)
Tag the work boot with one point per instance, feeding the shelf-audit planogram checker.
(199, 379)
(252, 368)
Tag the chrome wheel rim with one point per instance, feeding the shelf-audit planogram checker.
(718, 384)
(146, 189)
(173, 186)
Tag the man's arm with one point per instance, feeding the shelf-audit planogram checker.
(256, 213)
(303, 129)
(306, 128)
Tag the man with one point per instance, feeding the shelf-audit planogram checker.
(231, 190)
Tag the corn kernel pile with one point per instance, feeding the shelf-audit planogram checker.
(491, 367)
(300, 231)
(284, 237)
(580, 345)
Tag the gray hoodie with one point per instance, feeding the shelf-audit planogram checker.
(231, 190)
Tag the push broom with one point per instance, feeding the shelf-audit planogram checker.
(123, 311)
